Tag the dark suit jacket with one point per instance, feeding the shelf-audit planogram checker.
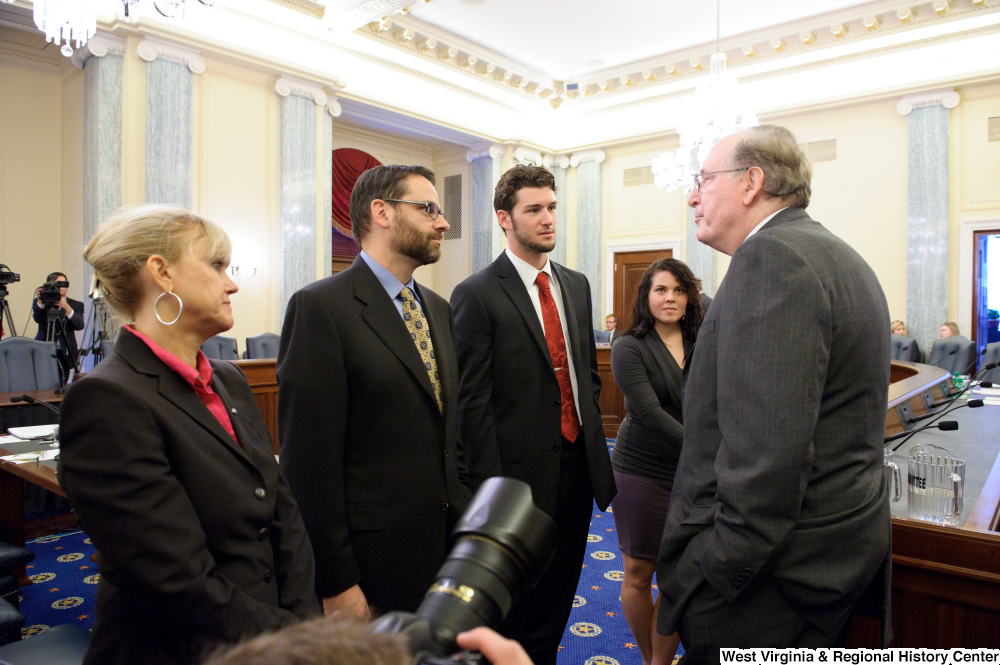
(650, 436)
(509, 409)
(374, 465)
(781, 475)
(198, 536)
(69, 323)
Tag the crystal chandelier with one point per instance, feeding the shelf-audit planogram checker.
(69, 22)
(714, 112)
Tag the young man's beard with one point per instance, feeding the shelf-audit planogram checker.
(409, 241)
(531, 242)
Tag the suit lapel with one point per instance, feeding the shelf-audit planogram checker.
(241, 434)
(173, 388)
(511, 282)
(381, 315)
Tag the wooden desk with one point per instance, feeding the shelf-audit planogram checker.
(945, 581)
(264, 385)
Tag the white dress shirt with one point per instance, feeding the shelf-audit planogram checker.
(762, 223)
(528, 273)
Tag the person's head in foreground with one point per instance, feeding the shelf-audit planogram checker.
(746, 177)
(525, 203)
(163, 269)
(948, 329)
(328, 641)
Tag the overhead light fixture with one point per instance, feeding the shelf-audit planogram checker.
(714, 113)
(74, 22)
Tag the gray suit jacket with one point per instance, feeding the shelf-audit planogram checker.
(780, 475)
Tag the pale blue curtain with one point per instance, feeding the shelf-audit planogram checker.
(486, 233)
(559, 253)
(168, 132)
(701, 259)
(588, 233)
(297, 228)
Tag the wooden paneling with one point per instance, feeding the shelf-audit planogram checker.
(612, 400)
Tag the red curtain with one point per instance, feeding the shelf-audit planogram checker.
(348, 165)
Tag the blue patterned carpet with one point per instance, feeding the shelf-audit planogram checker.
(597, 633)
(66, 582)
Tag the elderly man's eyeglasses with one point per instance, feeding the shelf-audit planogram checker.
(699, 178)
(429, 207)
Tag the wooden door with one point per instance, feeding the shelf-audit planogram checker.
(629, 267)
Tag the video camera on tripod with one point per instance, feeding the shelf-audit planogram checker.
(49, 293)
(7, 276)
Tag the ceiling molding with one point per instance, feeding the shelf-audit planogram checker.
(946, 97)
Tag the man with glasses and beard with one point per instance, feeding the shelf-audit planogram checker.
(367, 409)
(528, 402)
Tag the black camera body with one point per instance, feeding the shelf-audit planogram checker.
(503, 544)
(49, 292)
(7, 276)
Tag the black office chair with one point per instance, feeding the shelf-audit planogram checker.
(904, 348)
(11, 620)
(992, 356)
(221, 348)
(60, 645)
(953, 354)
(262, 346)
(602, 336)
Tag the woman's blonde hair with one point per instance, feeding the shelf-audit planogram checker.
(121, 246)
(896, 324)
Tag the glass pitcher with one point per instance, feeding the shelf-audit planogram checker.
(893, 479)
(936, 481)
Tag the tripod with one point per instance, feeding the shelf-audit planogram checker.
(5, 306)
(55, 331)
(98, 327)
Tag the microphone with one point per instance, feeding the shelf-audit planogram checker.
(31, 400)
(945, 425)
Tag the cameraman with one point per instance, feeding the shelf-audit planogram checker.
(70, 313)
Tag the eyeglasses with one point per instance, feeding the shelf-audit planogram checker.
(429, 207)
(699, 176)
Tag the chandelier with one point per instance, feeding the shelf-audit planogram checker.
(714, 112)
(69, 22)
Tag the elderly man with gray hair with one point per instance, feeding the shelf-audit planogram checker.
(780, 518)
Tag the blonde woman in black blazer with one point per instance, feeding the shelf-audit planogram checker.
(172, 474)
(648, 363)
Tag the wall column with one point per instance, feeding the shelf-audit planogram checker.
(301, 106)
(927, 213)
(334, 110)
(558, 167)
(486, 238)
(169, 118)
(590, 224)
(102, 61)
(701, 259)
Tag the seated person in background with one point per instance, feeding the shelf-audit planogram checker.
(898, 328)
(70, 319)
(326, 641)
(611, 323)
(167, 462)
(648, 363)
(948, 329)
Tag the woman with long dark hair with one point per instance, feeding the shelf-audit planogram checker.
(649, 363)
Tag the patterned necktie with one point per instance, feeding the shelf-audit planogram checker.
(415, 322)
(557, 349)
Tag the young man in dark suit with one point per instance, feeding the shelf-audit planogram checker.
(368, 383)
(528, 402)
(780, 519)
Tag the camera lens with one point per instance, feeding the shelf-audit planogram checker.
(503, 544)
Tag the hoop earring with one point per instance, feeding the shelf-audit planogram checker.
(179, 302)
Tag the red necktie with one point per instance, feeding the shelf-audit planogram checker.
(557, 349)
